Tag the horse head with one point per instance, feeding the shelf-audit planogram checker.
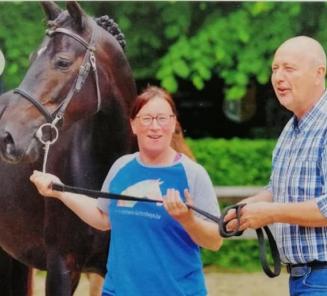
(78, 70)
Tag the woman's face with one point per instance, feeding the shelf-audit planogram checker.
(154, 126)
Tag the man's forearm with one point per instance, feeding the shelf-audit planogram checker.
(302, 213)
(263, 195)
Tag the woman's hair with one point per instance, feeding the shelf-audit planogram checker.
(178, 142)
(149, 93)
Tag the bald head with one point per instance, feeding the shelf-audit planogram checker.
(298, 74)
(307, 47)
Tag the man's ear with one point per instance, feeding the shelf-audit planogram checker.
(321, 73)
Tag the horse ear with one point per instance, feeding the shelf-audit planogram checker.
(51, 10)
(77, 13)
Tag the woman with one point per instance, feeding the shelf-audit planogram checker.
(154, 247)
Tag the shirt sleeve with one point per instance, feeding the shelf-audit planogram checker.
(103, 203)
(202, 190)
(322, 199)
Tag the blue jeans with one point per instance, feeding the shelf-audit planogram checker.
(308, 281)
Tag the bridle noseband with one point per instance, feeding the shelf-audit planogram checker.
(52, 119)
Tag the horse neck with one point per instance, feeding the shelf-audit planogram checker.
(72, 151)
(84, 152)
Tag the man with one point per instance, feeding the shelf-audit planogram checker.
(296, 198)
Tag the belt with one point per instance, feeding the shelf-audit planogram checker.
(312, 264)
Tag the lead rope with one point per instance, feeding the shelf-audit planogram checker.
(48, 142)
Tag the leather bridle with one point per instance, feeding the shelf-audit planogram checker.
(52, 119)
(89, 62)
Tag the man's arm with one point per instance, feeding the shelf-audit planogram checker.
(260, 211)
(264, 195)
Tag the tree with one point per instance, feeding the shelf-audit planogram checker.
(174, 41)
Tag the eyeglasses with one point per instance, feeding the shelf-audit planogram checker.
(162, 119)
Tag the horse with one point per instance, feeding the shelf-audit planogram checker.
(69, 116)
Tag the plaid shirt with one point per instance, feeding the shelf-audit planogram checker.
(299, 173)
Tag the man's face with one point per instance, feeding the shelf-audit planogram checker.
(294, 78)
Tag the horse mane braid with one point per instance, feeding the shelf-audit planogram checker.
(111, 26)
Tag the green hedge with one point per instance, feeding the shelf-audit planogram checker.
(234, 255)
(234, 162)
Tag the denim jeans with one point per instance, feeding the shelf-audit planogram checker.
(308, 281)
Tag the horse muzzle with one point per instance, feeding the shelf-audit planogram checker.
(11, 152)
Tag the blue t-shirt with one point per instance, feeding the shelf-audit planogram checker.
(150, 253)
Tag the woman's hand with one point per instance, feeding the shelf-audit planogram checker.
(176, 207)
(43, 182)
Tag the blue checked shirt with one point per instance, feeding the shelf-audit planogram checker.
(299, 173)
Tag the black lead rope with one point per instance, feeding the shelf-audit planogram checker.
(220, 221)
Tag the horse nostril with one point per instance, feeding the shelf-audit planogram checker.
(7, 139)
(7, 143)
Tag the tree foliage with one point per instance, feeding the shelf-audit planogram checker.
(174, 41)
(20, 31)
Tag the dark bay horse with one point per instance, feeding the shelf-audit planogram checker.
(79, 83)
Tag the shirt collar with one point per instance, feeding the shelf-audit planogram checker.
(311, 116)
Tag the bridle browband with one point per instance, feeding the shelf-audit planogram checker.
(89, 61)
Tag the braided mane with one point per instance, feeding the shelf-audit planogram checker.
(111, 26)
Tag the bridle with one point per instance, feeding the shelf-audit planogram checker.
(52, 119)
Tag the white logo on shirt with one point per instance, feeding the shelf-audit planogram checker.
(146, 188)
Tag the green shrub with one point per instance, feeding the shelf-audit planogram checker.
(235, 255)
(235, 161)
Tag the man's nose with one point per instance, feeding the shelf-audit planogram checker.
(278, 75)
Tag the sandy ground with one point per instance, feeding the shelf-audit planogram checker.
(218, 283)
(246, 284)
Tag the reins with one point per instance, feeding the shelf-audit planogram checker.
(220, 221)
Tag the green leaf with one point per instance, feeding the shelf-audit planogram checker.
(170, 84)
(236, 92)
(164, 71)
(181, 68)
(172, 32)
(198, 82)
(263, 77)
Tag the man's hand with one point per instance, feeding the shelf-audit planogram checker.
(253, 215)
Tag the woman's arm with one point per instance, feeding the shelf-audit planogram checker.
(83, 206)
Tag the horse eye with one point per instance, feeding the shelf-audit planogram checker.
(63, 64)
